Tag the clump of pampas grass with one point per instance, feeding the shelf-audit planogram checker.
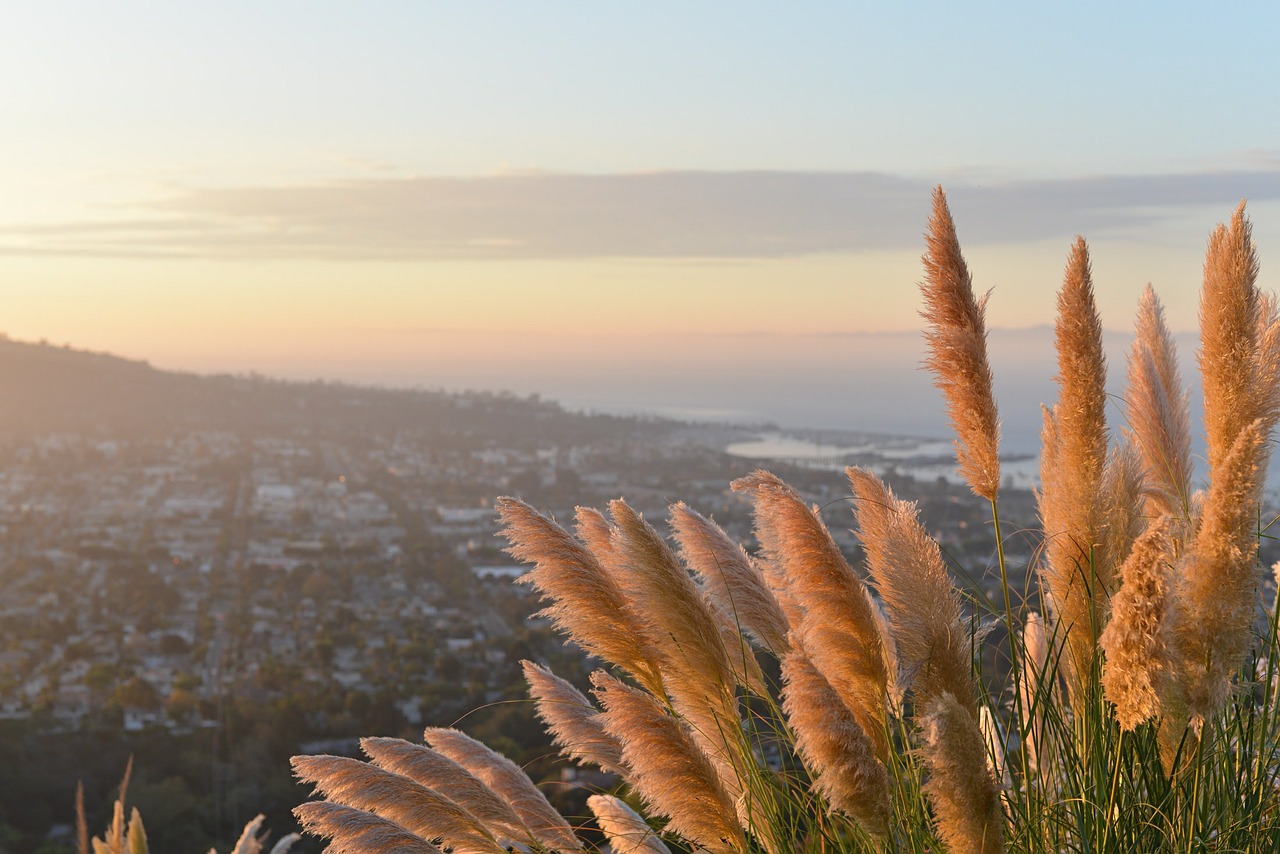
(1132, 704)
(130, 836)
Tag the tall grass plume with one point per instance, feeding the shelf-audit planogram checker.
(783, 696)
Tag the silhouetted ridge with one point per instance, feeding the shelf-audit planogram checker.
(46, 388)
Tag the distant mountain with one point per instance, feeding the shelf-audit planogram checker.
(46, 388)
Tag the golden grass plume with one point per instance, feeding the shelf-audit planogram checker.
(696, 667)
(1077, 575)
(572, 719)
(438, 772)
(835, 619)
(839, 754)
(352, 831)
(929, 632)
(626, 830)
(957, 340)
(1036, 684)
(1231, 313)
(1134, 640)
(670, 772)
(414, 807)
(586, 603)
(960, 788)
(1216, 587)
(510, 783)
(732, 580)
(1159, 420)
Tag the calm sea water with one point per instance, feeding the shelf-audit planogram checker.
(873, 384)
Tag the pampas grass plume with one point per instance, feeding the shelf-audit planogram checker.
(626, 831)
(839, 754)
(1134, 638)
(1077, 574)
(668, 769)
(414, 807)
(1218, 581)
(586, 603)
(920, 601)
(960, 788)
(679, 624)
(284, 843)
(690, 642)
(438, 772)
(595, 532)
(733, 582)
(511, 784)
(137, 835)
(1229, 321)
(837, 624)
(572, 719)
(352, 831)
(1036, 684)
(1159, 420)
(957, 340)
(250, 842)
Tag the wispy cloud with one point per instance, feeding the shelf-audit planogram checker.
(649, 215)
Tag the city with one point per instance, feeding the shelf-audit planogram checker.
(329, 568)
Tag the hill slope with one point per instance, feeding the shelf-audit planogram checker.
(45, 388)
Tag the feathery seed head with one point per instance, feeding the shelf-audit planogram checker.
(840, 756)
(511, 784)
(595, 532)
(957, 340)
(1217, 582)
(1230, 313)
(572, 719)
(627, 831)
(436, 771)
(1134, 640)
(675, 618)
(585, 601)
(695, 663)
(1036, 684)
(730, 577)
(832, 617)
(1077, 573)
(1121, 514)
(921, 603)
(137, 836)
(1159, 419)
(418, 809)
(669, 770)
(352, 831)
(961, 787)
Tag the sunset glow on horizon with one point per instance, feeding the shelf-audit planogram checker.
(308, 191)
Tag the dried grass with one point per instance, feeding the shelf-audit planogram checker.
(732, 580)
(626, 830)
(839, 754)
(923, 609)
(670, 772)
(573, 720)
(508, 782)
(957, 339)
(834, 620)
(414, 807)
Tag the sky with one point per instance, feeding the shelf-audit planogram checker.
(570, 197)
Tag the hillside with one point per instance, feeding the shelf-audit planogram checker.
(45, 388)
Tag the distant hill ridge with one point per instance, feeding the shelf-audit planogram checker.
(48, 388)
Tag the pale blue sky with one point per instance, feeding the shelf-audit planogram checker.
(242, 184)
(234, 90)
